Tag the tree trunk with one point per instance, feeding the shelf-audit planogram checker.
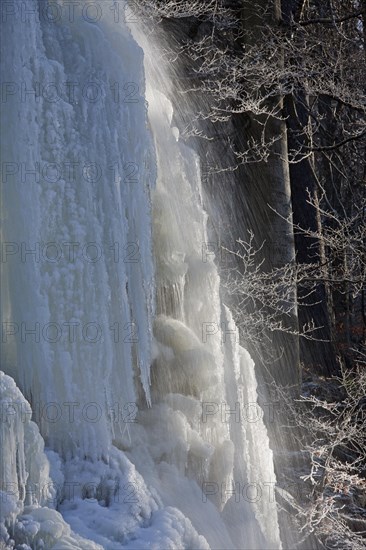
(267, 191)
(313, 354)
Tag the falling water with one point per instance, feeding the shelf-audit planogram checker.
(114, 331)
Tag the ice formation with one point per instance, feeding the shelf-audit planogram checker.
(120, 362)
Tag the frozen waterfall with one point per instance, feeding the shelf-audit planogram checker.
(123, 381)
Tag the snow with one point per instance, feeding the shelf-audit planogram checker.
(27, 489)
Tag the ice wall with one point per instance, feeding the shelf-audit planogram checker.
(78, 168)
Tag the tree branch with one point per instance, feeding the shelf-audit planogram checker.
(323, 21)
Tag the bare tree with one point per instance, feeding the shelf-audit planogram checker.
(329, 420)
